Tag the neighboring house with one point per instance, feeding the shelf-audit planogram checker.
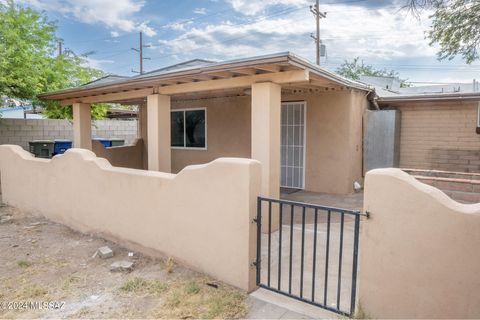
(24, 112)
(439, 127)
(303, 123)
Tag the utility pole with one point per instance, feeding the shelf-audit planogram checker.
(140, 52)
(318, 15)
(60, 47)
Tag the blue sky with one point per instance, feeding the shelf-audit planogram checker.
(377, 31)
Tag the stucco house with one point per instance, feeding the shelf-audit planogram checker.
(303, 123)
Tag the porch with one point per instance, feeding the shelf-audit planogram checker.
(197, 114)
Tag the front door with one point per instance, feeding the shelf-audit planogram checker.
(293, 145)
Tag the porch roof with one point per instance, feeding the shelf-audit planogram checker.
(165, 79)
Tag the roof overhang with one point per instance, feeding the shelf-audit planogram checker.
(284, 68)
(467, 96)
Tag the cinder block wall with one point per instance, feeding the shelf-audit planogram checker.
(21, 131)
(440, 136)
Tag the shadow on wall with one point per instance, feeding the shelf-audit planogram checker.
(419, 251)
(183, 216)
(130, 156)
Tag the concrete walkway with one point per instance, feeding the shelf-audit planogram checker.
(350, 201)
(264, 304)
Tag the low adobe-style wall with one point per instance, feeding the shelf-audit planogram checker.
(419, 255)
(202, 216)
(130, 156)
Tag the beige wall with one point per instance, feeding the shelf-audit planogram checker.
(228, 131)
(130, 156)
(201, 217)
(334, 136)
(334, 140)
(439, 136)
(419, 251)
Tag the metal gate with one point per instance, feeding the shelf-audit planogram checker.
(312, 256)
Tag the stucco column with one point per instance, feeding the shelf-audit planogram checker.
(82, 126)
(266, 107)
(158, 133)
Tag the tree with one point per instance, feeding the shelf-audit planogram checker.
(28, 65)
(356, 68)
(455, 26)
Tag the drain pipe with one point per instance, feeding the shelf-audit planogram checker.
(372, 97)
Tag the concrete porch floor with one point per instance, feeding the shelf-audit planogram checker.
(350, 201)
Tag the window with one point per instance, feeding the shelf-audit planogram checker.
(188, 128)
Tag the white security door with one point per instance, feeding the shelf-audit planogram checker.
(293, 145)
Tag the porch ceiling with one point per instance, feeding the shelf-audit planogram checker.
(218, 78)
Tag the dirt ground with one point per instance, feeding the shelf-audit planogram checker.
(41, 261)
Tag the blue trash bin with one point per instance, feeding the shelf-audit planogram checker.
(107, 143)
(61, 145)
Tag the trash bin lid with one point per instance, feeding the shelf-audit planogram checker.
(62, 140)
(41, 141)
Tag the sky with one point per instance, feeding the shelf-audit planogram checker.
(380, 32)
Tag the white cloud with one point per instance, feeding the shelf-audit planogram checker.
(96, 63)
(200, 10)
(114, 34)
(385, 34)
(115, 14)
(250, 7)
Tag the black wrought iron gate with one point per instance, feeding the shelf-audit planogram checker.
(308, 252)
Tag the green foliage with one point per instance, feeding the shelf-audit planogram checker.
(456, 28)
(28, 65)
(356, 68)
(54, 111)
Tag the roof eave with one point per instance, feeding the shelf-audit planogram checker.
(427, 98)
(285, 57)
(55, 95)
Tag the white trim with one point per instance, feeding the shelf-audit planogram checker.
(185, 128)
(304, 104)
(478, 114)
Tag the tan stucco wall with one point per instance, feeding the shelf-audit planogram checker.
(333, 140)
(228, 131)
(130, 156)
(419, 255)
(201, 217)
(429, 130)
(334, 136)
